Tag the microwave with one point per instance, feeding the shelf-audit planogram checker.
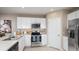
(36, 25)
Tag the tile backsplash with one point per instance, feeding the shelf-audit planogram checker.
(29, 31)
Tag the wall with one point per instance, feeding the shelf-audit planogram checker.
(12, 18)
(64, 23)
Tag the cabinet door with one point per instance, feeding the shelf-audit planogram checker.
(19, 22)
(21, 44)
(43, 23)
(24, 22)
(44, 39)
(77, 14)
(32, 20)
(35, 20)
(73, 15)
(65, 43)
(28, 23)
(27, 40)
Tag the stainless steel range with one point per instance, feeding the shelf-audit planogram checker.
(36, 39)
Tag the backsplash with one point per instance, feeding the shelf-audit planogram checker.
(29, 31)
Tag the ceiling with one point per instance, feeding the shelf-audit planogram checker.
(29, 10)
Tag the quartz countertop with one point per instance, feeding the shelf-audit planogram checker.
(4, 37)
(5, 45)
(7, 36)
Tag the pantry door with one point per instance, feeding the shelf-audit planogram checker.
(54, 32)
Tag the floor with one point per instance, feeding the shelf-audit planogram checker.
(73, 48)
(40, 49)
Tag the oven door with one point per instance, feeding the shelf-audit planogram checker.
(36, 38)
(33, 38)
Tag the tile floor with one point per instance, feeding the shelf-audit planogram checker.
(40, 49)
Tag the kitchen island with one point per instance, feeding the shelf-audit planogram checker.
(7, 36)
(8, 45)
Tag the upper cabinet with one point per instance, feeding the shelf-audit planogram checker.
(26, 22)
(19, 22)
(73, 15)
(35, 20)
(23, 22)
(43, 23)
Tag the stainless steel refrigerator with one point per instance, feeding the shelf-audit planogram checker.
(73, 35)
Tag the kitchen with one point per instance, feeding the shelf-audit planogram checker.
(24, 31)
(30, 28)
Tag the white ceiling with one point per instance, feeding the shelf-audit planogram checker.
(29, 10)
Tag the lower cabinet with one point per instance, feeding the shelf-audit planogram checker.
(27, 40)
(21, 43)
(65, 43)
(44, 40)
(14, 47)
(24, 41)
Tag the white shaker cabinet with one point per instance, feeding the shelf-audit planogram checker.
(23, 22)
(35, 20)
(43, 23)
(26, 22)
(65, 43)
(19, 22)
(44, 40)
(27, 40)
(73, 15)
(21, 43)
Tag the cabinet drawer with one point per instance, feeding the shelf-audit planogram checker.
(44, 39)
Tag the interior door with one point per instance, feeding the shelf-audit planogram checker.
(54, 32)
